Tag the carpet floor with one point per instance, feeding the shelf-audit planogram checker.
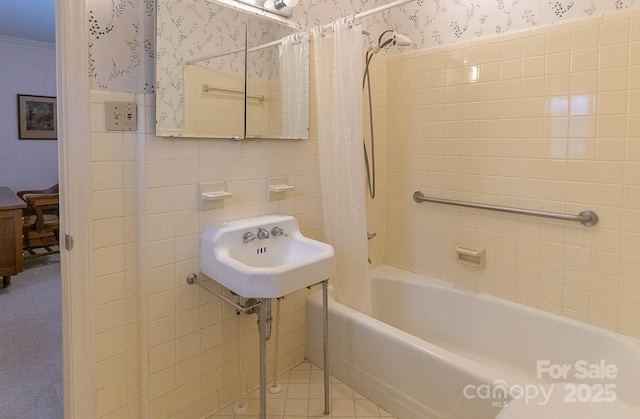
(31, 383)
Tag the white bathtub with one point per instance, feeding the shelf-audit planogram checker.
(433, 350)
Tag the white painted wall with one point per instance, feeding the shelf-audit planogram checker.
(29, 68)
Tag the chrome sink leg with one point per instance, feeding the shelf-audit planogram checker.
(325, 333)
(264, 314)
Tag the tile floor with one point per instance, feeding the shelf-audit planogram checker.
(302, 396)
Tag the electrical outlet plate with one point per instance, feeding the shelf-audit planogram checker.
(121, 116)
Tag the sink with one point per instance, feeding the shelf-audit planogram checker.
(264, 267)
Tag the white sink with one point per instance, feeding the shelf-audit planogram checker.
(264, 268)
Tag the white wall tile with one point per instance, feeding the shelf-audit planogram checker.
(572, 109)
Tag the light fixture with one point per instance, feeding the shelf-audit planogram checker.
(279, 7)
(281, 4)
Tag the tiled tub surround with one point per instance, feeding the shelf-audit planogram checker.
(546, 119)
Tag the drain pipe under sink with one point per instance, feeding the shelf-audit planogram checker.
(275, 388)
(257, 307)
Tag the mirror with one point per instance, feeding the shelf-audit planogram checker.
(277, 85)
(207, 98)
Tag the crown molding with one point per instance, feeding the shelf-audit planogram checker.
(26, 42)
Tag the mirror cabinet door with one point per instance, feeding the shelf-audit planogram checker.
(189, 31)
(207, 98)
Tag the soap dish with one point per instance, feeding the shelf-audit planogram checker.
(214, 196)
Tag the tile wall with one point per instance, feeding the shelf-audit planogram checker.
(193, 338)
(115, 274)
(201, 355)
(545, 119)
(166, 349)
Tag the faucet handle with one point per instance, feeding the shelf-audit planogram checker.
(277, 231)
(247, 237)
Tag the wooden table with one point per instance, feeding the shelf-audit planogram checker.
(11, 207)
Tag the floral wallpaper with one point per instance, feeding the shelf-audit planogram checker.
(121, 45)
(437, 22)
(122, 32)
(186, 30)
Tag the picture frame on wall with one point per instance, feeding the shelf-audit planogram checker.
(37, 118)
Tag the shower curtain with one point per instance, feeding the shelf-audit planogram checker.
(338, 73)
(294, 55)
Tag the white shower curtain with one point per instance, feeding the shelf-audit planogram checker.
(294, 56)
(338, 76)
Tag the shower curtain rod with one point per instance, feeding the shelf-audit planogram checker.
(374, 10)
(327, 26)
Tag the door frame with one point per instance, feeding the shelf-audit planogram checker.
(74, 156)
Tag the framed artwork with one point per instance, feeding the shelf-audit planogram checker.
(37, 118)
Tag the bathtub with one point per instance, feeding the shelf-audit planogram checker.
(434, 350)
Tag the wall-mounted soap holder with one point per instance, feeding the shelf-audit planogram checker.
(211, 195)
(281, 188)
(277, 187)
(471, 257)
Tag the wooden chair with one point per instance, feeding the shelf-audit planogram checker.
(41, 221)
(25, 195)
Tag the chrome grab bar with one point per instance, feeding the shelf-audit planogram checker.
(587, 217)
(206, 88)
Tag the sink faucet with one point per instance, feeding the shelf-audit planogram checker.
(263, 233)
(247, 237)
(277, 231)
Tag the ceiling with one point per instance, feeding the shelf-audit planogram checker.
(28, 19)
